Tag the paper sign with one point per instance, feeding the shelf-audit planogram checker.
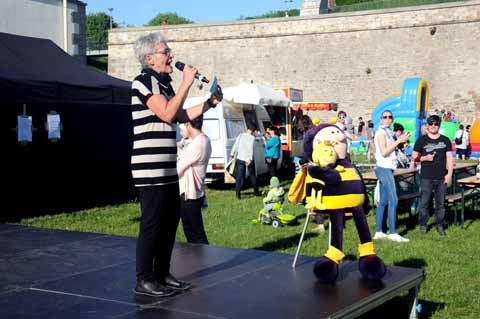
(24, 128)
(53, 124)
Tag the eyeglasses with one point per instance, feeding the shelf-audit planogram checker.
(387, 117)
(433, 123)
(341, 117)
(167, 52)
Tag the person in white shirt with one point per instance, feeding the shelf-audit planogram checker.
(342, 124)
(385, 146)
(461, 148)
(243, 148)
(192, 169)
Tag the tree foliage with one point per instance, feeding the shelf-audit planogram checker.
(168, 18)
(349, 2)
(98, 25)
(276, 14)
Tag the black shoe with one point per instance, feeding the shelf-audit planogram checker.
(152, 288)
(440, 231)
(423, 230)
(238, 196)
(258, 194)
(175, 284)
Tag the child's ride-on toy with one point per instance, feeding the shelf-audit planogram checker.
(275, 216)
(271, 213)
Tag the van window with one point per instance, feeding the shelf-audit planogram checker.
(234, 128)
(211, 128)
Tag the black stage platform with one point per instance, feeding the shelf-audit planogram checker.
(59, 274)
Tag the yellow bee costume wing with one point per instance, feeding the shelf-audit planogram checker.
(297, 190)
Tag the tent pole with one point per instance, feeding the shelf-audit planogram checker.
(65, 27)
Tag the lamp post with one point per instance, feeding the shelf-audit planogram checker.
(110, 9)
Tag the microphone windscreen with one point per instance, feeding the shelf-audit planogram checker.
(179, 65)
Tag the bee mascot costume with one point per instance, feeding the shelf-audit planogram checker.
(334, 187)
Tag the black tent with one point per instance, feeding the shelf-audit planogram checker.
(89, 164)
(36, 70)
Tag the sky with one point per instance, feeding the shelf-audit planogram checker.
(139, 12)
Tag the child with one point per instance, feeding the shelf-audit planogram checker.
(275, 195)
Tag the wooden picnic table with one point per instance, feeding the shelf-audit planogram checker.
(462, 168)
(407, 185)
(371, 177)
(458, 168)
(411, 177)
(470, 186)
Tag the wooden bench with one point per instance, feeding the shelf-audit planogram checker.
(410, 197)
(401, 197)
(454, 198)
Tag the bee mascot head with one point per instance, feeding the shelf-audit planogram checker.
(334, 187)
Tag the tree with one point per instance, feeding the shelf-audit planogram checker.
(98, 25)
(168, 18)
(276, 14)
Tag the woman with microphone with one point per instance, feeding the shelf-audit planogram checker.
(156, 109)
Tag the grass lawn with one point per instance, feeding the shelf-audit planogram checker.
(452, 264)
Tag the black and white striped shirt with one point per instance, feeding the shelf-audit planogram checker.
(154, 156)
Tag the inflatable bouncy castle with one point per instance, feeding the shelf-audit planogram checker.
(409, 109)
(475, 139)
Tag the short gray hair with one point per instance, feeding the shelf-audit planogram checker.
(146, 45)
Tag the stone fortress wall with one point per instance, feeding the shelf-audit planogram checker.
(355, 59)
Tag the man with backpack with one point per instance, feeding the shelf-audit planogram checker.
(461, 142)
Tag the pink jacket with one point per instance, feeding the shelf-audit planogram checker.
(192, 167)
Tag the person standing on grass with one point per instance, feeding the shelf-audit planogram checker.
(385, 146)
(243, 148)
(461, 135)
(272, 150)
(361, 126)
(369, 137)
(344, 123)
(469, 146)
(192, 169)
(434, 152)
(156, 109)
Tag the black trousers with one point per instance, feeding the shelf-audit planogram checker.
(240, 170)
(160, 207)
(272, 167)
(439, 188)
(192, 221)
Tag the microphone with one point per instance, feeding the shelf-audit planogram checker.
(180, 65)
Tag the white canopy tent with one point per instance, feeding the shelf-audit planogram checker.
(247, 94)
(255, 94)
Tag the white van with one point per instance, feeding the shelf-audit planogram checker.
(241, 105)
